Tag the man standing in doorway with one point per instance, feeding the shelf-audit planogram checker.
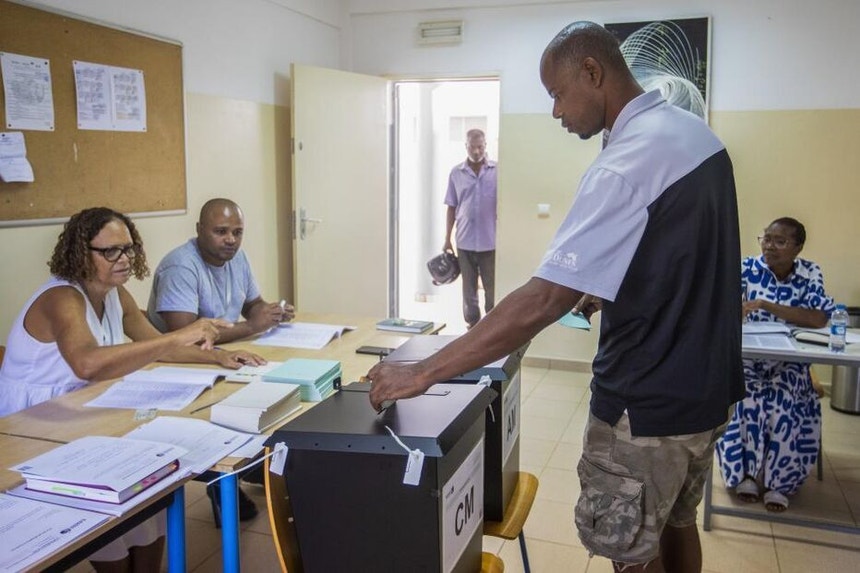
(471, 201)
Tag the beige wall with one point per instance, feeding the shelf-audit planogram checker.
(804, 164)
(236, 149)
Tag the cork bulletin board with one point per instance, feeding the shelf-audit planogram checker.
(132, 172)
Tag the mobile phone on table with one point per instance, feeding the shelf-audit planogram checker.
(375, 350)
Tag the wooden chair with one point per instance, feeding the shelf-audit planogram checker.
(284, 530)
(511, 527)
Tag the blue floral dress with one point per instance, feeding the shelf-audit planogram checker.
(774, 431)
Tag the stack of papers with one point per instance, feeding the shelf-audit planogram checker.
(315, 377)
(162, 388)
(257, 406)
(206, 445)
(307, 335)
(99, 468)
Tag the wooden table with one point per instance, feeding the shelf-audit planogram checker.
(65, 418)
(14, 450)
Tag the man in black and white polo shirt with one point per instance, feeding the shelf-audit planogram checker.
(653, 233)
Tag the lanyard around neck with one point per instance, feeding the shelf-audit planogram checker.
(228, 288)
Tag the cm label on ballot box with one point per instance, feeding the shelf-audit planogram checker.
(463, 506)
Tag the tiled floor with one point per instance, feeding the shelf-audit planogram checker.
(555, 407)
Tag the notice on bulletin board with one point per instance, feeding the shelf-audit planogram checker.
(109, 98)
(27, 87)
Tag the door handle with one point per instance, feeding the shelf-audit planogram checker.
(303, 221)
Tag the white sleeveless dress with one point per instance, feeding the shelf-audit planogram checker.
(34, 371)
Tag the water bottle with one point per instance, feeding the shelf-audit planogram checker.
(838, 324)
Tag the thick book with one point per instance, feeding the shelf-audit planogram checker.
(100, 468)
(257, 406)
(316, 377)
(404, 325)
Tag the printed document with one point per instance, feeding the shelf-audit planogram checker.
(307, 335)
(769, 341)
(207, 443)
(142, 395)
(32, 530)
(29, 96)
(13, 158)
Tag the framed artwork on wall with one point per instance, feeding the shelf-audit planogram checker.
(672, 55)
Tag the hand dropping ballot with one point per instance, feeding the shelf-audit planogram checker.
(575, 320)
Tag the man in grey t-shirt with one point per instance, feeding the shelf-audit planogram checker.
(210, 277)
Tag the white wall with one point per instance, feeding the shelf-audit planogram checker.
(766, 54)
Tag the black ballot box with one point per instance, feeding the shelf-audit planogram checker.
(502, 454)
(345, 477)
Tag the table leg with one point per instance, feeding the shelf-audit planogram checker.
(230, 523)
(176, 532)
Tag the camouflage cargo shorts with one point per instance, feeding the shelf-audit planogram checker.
(632, 487)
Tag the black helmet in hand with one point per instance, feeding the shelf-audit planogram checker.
(444, 268)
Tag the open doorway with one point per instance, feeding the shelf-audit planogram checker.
(431, 119)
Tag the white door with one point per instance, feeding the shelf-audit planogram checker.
(340, 191)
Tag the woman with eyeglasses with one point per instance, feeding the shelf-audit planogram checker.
(771, 443)
(74, 330)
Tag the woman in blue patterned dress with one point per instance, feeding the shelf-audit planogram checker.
(773, 436)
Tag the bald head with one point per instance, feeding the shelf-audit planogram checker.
(218, 205)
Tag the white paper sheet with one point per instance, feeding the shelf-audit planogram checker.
(28, 91)
(765, 327)
(109, 98)
(207, 443)
(309, 335)
(13, 158)
(770, 341)
(178, 375)
(141, 395)
(32, 530)
(116, 463)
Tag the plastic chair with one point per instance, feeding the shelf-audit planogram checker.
(284, 530)
(511, 527)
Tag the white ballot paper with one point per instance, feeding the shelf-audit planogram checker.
(32, 530)
(13, 158)
(140, 395)
(309, 335)
(207, 443)
(109, 98)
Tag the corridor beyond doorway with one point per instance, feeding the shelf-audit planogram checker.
(431, 120)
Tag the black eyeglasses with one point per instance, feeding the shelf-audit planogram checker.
(112, 254)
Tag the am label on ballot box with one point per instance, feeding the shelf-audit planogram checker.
(345, 476)
(502, 454)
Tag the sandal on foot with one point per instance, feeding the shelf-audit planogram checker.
(747, 490)
(775, 501)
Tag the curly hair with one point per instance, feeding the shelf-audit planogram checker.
(72, 258)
